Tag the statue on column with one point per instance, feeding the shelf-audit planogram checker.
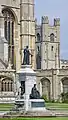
(26, 59)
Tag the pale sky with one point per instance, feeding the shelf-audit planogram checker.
(53, 9)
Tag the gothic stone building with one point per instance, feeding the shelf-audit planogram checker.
(18, 28)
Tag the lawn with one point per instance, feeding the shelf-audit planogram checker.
(6, 107)
(52, 118)
(61, 106)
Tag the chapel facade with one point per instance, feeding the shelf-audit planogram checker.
(19, 28)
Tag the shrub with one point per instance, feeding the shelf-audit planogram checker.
(64, 97)
(45, 98)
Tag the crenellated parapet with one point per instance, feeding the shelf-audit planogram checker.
(44, 20)
(57, 22)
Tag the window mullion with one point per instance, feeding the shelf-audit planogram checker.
(11, 40)
(8, 39)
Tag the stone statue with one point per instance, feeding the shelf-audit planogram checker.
(21, 91)
(26, 60)
(34, 93)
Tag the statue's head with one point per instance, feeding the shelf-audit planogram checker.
(27, 47)
(34, 85)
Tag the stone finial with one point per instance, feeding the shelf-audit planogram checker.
(57, 22)
(9, 65)
(45, 20)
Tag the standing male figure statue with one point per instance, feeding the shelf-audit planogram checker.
(26, 60)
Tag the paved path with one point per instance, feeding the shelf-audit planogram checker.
(47, 113)
(2, 113)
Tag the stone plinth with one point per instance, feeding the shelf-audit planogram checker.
(36, 105)
(30, 105)
(19, 104)
(27, 76)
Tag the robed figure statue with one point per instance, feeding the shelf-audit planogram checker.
(26, 60)
(35, 93)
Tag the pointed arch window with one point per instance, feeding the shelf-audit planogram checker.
(45, 87)
(52, 37)
(38, 58)
(38, 37)
(9, 32)
(52, 48)
(65, 85)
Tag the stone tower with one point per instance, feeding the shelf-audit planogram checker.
(48, 42)
(27, 27)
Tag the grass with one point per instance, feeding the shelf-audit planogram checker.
(61, 106)
(6, 107)
(52, 118)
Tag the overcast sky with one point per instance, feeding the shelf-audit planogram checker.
(53, 9)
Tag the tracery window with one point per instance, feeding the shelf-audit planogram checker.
(65, 85)
(7, 85)
(9, 32)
